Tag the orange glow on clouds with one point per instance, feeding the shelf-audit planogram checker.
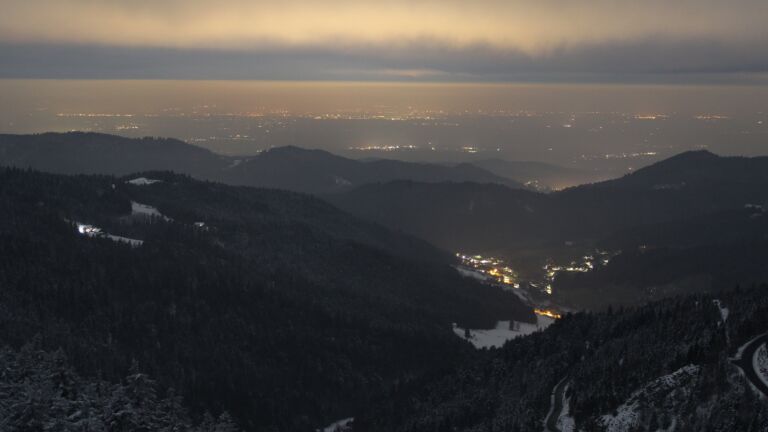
(531, 26)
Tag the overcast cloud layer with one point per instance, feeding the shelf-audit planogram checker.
(482, 40)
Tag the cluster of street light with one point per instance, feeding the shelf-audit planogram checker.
(491, 267)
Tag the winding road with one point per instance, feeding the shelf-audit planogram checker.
(745, 363)
(555, 406)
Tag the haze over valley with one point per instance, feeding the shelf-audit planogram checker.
(604, 130)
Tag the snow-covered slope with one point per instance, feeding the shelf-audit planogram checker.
(671, 389)
(339, 426)
(504, 331)
(138, 209)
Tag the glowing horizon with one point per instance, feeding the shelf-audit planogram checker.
(532, 27)
(343, 39)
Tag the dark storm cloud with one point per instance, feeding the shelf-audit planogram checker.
(479, 40)
(647, 60)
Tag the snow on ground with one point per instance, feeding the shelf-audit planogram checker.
(760, 363)
(627, 415)
(551, 403)
(142, 181)
(504, 331)
(741, 349)
(520, 293)
(723, 310)
(471, 273)
(341, 181)
(339, 426)
(138, 209)
(565, 422)
(130, 241)
(92, 231)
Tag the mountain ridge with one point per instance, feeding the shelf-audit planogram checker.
(292, 168)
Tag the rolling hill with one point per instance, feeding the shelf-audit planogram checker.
(271, 305)
(290, 168)
(317, 171)
(693, 223)
(483, 216)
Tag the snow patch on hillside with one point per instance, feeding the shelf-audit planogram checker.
(723, 310)
(138, 209)
(504, 331)
(740, 351)
(666, 388)
(339, 426)
(130, 241)
(142, 181)
(466, 272)
(341, 181)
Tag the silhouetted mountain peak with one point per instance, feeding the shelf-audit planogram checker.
(701, 168)
(291, 151)
(691, 156)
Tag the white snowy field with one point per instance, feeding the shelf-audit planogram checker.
(504, 331)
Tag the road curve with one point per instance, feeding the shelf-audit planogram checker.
(556, 406)
(745, 363)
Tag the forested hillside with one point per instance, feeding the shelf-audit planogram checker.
(471, 216)
(92, 153)
(456, 216)
(273, 306)
(317, 171)
(663, 366)
(640, 275)
(696, 222)
(39, 391)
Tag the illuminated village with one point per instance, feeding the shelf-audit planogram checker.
(585, 264)
(497, 271)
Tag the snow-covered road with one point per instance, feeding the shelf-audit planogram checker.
(556, 406)
(746, 361)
